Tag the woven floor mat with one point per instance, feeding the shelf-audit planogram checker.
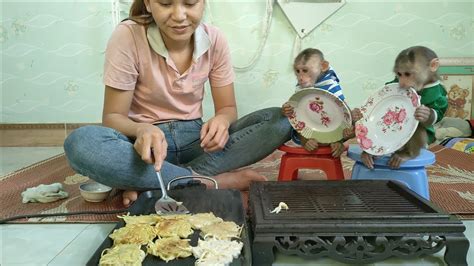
(451, 187)
(50, 171)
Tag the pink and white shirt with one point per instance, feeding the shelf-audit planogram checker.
(136, 59)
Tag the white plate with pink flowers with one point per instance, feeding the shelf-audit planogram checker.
(388, 120)
(319, 114)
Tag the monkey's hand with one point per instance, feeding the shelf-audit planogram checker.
(287, 110)
(356, 114)
(337, 148)
(367, 160)
(424, 114)
(311, 145)
(348, 133)
(396, 160)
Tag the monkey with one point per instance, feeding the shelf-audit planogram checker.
(312, 70)
(417, 67)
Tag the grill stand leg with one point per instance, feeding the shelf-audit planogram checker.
(457, 247)
(262, 253)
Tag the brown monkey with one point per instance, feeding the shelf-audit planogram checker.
(417, 67)
(312, 70)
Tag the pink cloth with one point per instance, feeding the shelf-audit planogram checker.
(137, 59)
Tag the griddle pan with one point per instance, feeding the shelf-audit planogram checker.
(224, 203)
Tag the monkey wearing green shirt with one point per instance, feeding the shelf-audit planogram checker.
(417, 67)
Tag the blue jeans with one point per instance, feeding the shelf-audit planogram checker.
(108, 156)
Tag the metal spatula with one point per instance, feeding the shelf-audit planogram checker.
(166, 204)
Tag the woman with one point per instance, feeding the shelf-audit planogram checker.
(156, 64)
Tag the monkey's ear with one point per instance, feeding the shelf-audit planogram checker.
(434, 64)
(324, 65)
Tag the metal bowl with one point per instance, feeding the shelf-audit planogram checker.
(94, 192)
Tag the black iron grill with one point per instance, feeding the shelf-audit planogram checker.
(226, 204)
(330, 199)
(353, 221)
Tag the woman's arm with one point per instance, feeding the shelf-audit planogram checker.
(215, 132)
(150, 141)
(224, 102)
(115, 112)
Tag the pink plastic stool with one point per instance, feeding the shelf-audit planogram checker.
(296, 158)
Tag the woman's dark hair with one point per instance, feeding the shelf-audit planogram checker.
(139, 14)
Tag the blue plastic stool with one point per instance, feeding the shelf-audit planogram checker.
(412, 173)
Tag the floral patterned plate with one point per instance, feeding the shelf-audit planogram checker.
(388, 120)
(319, 114)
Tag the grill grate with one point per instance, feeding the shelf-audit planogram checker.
(352, 221)
(358, 198)
(318, 199)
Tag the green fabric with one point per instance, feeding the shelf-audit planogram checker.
(434, 98)
(395, 80)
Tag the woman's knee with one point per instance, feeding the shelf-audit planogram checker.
(84, 140)
(279, 121)
(79, 137)
(272, 113)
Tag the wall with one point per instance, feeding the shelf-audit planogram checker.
(52, 52)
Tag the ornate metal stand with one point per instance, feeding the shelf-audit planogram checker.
(351, 222)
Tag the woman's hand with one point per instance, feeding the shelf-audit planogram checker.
(215, 133)
(151, 144)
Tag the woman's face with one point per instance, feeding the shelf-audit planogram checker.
(176, 19)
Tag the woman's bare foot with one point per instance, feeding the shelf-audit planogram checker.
(128, 197)
(239, 179)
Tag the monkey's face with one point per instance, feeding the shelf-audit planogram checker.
(307, 72)
(413, 75)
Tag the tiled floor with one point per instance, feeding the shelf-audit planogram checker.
(73, 244)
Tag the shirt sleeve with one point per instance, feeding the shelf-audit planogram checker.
(440, 107)
(222, 73)
(435, 98)
(121, 60)
(330, 82)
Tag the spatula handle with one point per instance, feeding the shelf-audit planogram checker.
(162, 185)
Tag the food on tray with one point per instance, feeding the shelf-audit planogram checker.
(126, 254)
(174, 216)
(174, 227)
(216, 252)
(170, 248)
(151, 219)
(200, 220)
(281, 206)
(222, 230)
(134, 234)
(172, 235)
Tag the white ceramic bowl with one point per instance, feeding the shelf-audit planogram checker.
(94, 192)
